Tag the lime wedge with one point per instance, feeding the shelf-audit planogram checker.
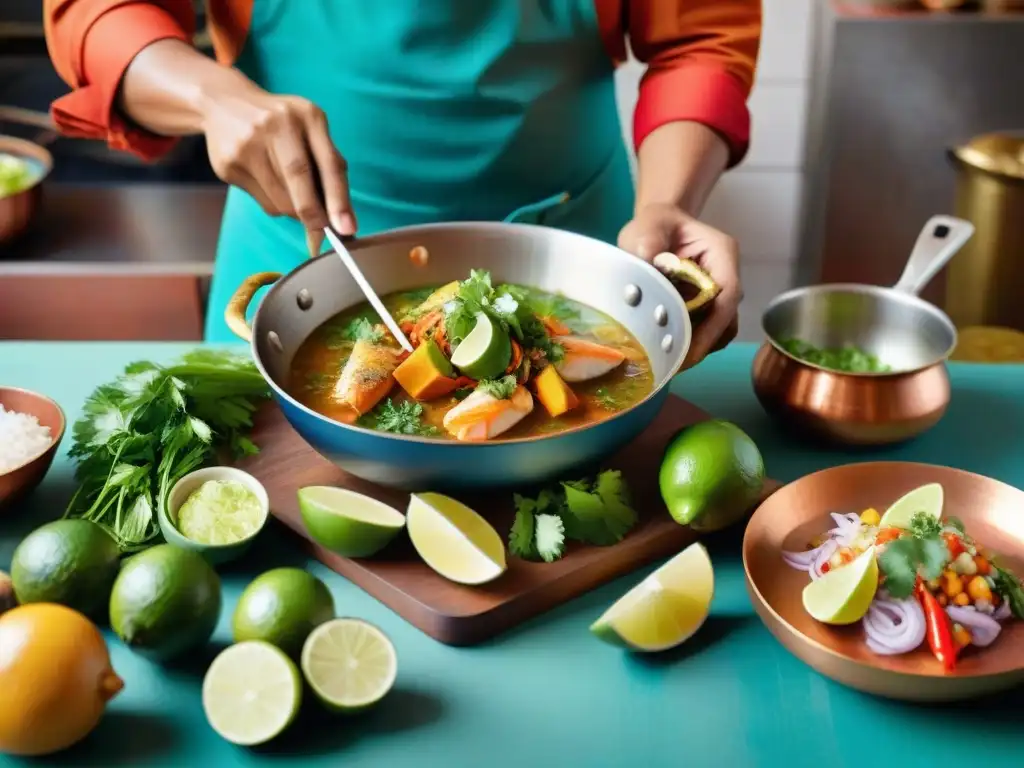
(665, 609)
(349, 664)
(485, 352)
(346, 522)
(454, 540)
(251, 693)
(843, 595)
(221, 513)
(927, 499)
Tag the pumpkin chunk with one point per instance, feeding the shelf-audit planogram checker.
(554, 394)
(426, 373)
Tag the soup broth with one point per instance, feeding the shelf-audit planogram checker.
(318, 364)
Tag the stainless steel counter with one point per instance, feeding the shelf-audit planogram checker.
(126, 229)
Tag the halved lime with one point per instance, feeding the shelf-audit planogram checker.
(454, 540)
(349, 664)
(927, 499)
(485, 352)
(664, 609)
(346, 522)
(220, 513)
(843, 595)
(251, 693)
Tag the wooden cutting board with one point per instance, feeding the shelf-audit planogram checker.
(457, 614)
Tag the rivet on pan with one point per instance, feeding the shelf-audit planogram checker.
(661, 315)
(304, 299)
(632, 295)
(275, 341)
(666, 342)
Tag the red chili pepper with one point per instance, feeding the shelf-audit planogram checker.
(940, 631)
(954, 544)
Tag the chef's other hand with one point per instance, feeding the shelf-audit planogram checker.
(660, 228)
(278, 149)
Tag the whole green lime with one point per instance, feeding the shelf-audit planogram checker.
(69, 562)
(166, 601)
(711, 475)
(282, 607)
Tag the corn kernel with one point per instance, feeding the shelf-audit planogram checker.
(979, 589)
(942, 599)
(934, 584)
(961, 636)
(870, 516)
(951, 584)
(962, 600)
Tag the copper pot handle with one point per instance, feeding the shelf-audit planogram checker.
(938, 242)
(238, 305)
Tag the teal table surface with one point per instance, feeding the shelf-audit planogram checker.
(547, 693)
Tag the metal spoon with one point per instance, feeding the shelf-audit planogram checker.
(367, 289)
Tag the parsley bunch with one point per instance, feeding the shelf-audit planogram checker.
(597, 512)
(151, 426)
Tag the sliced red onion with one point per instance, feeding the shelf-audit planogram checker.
(893, 627)
(801, 560)
(825, 552)
(847, 528)
(983, 628)
(1002, 613)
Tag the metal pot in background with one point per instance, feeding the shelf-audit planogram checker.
(983, 285)
(913, 337)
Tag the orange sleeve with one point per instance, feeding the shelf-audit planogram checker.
(91, 43)
(701, 56)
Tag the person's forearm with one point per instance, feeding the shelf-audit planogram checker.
(168, 85)
(679, 164)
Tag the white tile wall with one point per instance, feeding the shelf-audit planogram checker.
(759, 202)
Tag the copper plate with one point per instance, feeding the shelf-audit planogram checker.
(994, 515)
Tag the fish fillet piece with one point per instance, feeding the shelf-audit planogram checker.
(367, 376)
(585, 359)
(482, 416)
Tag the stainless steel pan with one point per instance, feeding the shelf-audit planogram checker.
(595, 273)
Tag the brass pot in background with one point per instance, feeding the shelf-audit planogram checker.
(983, 285)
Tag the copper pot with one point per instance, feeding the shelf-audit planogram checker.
(912, 337)
(17, 211)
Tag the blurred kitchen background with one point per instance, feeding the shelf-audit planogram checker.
(857, 107)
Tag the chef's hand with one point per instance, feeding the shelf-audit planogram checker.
(278, 149)
(659, 228)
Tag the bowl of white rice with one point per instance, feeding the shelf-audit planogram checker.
(31, 428)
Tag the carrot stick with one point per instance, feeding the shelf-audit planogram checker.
(517, 357)
(555, 327)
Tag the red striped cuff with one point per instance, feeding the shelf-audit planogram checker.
(111, 43)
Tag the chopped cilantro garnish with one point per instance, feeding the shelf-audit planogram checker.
(405, 418)
(924, 525)
(848, 359)
(499, 389)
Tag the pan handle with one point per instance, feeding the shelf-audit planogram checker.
(238, 305)
(938, 242)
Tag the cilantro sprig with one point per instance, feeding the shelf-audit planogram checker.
(597, 512)
(922, 554)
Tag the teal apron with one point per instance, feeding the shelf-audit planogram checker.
(445, 110)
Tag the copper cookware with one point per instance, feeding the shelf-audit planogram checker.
(17, 211)
(20, 481)
(912, 337)
(793, 515)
